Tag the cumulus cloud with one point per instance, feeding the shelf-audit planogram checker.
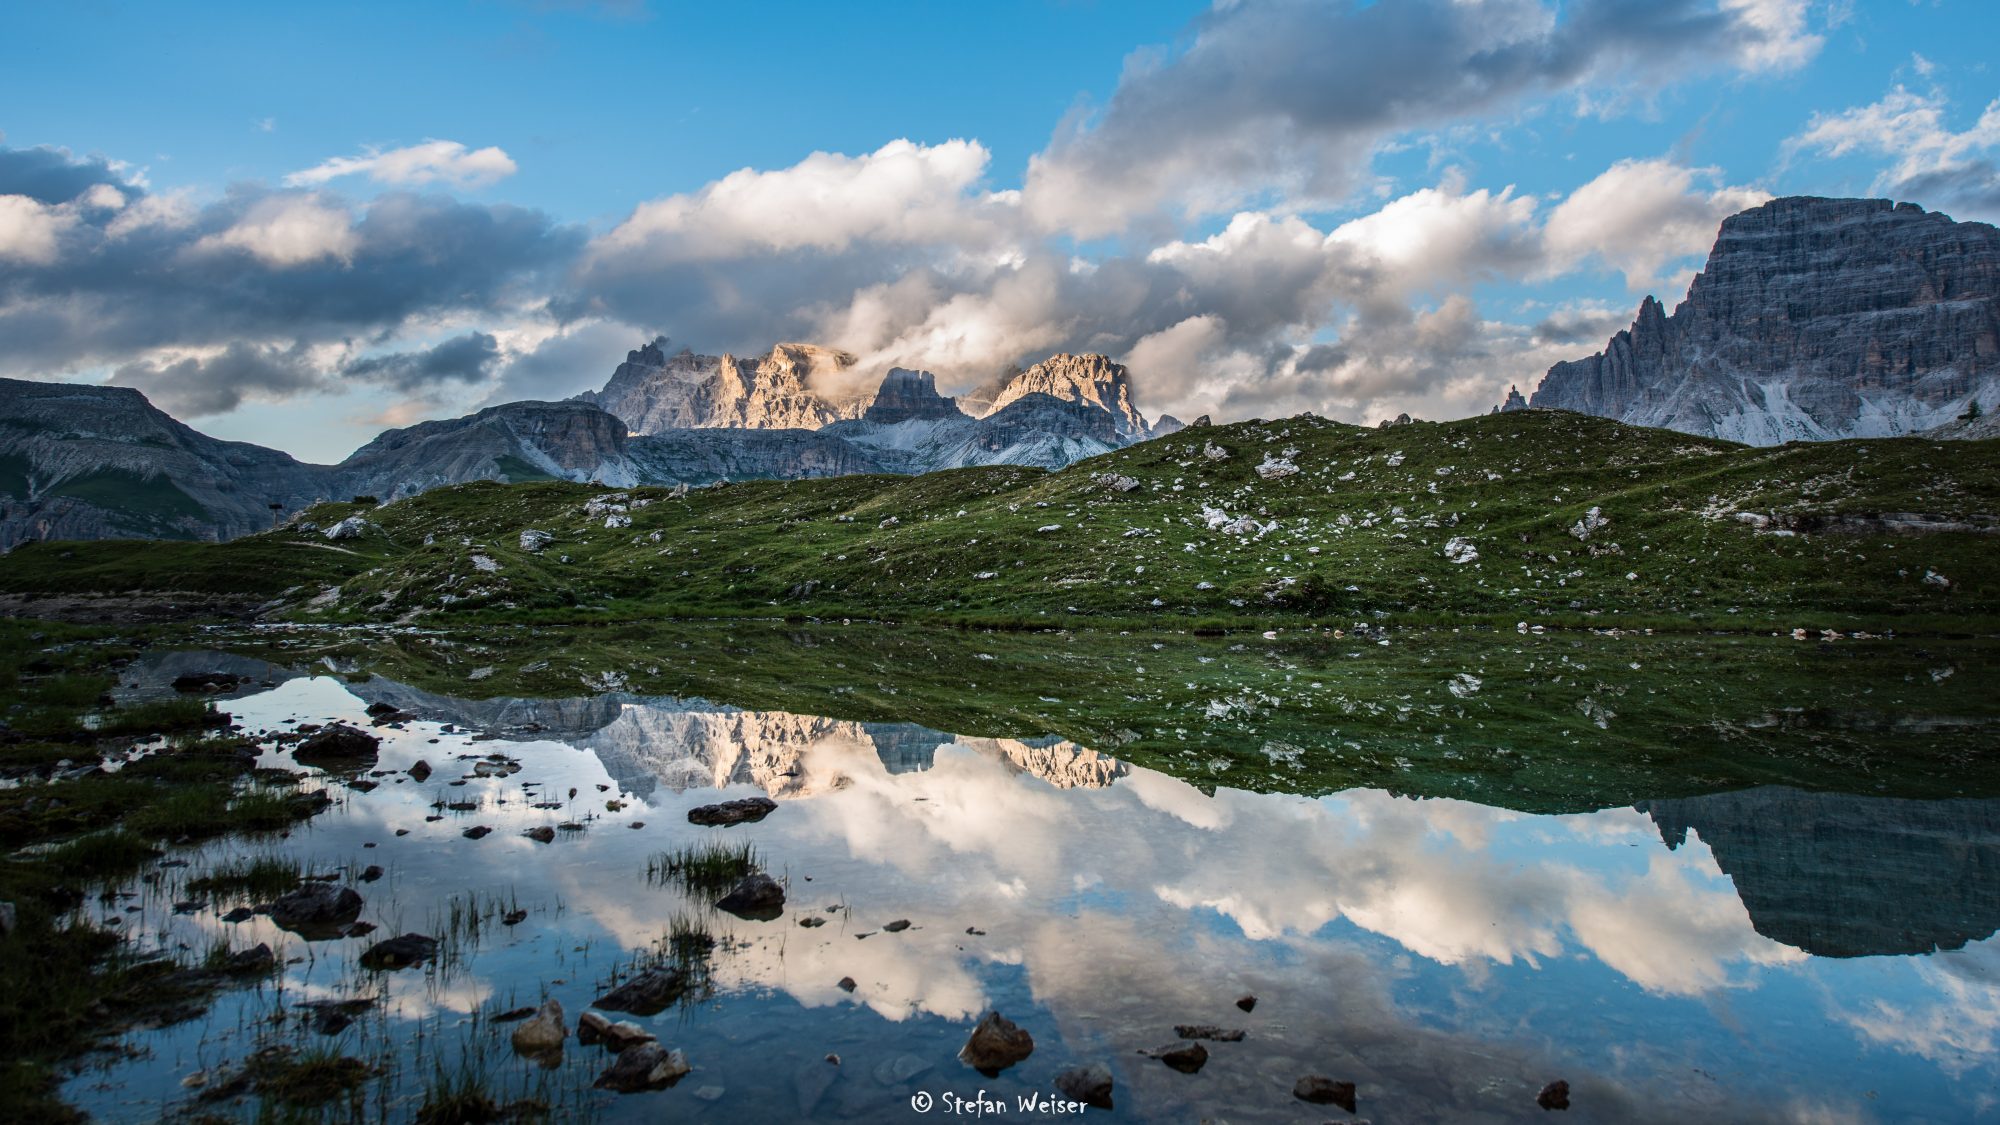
(1926, 160)
(260, 293)
(29, 229)
(1286, 101)
(288, 230)
(418, 165)
(1640, 216)
(464, 359)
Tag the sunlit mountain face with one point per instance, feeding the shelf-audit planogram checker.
(1448, 957)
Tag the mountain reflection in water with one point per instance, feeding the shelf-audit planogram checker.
(1692, 957)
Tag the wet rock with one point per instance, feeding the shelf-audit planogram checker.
(1184, 1057)
(1090, 1085)
(420, 771)
(1320, 1090)
(371, 873)
(542, 834)
(331, 1017)
(1247, 1003)
(513, 917)
(378, 709)
(513, 1014)
(809, 1084)
(749, 810)
(623, 1034)
(995, 1044)
(1555, 1095)
(240, 914)
(897, 926)
(477, 832)
(338, 747)
(399, 953)
(811, 921)
(902, 1068)
(1209, 1031)
(646, 994)
(647, 1066)
(590, 1028)
(204, 683)
(357, 929)
(710, 1093)
(845, 984)
(316, 907)
(542, 1033)
(757, 897)
(245, 962)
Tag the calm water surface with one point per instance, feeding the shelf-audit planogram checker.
(1765, 954)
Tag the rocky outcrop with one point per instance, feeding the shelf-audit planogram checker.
(791, 387)
(909, 395)
(1086, 380)
(1841, 876)
(1813, 319)
(1513, 402)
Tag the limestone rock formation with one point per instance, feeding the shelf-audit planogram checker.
(782, 389)
(1813, 319)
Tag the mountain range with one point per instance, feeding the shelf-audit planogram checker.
(93, 462)
(1812, 319)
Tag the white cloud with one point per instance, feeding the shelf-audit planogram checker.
(432, 162)
(902, 193)
(30, 229)
(1926, 161)
(1286, 103)
(289, 230)
(1640, 216)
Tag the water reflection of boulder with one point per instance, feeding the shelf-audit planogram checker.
(1842, 876)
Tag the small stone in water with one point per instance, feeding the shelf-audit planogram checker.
(1555, 1095)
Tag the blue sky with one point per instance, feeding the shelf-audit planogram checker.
(310, 224)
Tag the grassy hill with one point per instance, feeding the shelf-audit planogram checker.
(1534, 516)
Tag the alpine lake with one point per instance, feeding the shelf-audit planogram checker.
(1690, 877)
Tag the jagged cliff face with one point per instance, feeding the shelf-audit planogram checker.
(1813, 319)
(909, 396)
(1089, 380)
(84, 462)
(782, 389)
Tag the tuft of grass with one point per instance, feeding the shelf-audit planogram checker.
(707, 868)
(101, 856)
(303, 1078)
(252, 879)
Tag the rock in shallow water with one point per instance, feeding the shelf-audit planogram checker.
(316, 907)
(338, 748)
(1321, 1090)
(399, 953)
(1209, 1031)
(647, 1066)
(1090, 1085)
(647, 994)
(1184, 1057)
(542, 1033)
(995, 1044)
(1555, 1095)
(757, 897)
(749, 810)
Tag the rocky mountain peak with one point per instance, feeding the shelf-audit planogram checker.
(905, 395)
(1090, 379)
(1812, 319)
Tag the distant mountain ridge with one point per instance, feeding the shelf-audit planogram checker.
(1813, 319)
(91, 462)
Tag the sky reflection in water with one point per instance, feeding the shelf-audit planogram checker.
(1447, 957)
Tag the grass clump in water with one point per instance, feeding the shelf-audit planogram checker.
(709, 868)
(252, 878)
